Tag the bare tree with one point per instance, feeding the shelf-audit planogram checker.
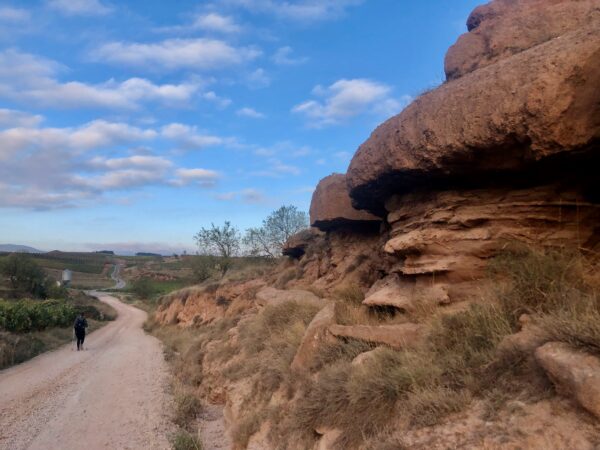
(276, 229)
(222, 241)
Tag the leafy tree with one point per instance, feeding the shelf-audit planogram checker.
(223, 241)
(24, 274)
(276, 229)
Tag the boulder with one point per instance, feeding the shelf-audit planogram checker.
(331, 207)
(538, 109)
(574, 373)
(296, 245)
(271, 296)
(406, 335)
(502, 28)
(315, 336)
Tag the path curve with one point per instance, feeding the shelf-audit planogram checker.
(113, 395)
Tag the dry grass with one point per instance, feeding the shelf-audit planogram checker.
(187, 408)
(183, 440)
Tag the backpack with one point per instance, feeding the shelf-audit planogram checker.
(80, 325)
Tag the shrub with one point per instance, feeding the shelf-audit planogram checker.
(27, 315)
(187, 408)
(182, 440)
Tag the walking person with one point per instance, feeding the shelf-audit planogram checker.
(79, 326)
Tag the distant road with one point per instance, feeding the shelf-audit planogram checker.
(120, 283)
(110, 396)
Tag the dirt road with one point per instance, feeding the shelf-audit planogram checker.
(110, 396)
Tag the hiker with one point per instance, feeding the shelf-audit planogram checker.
(79, 326)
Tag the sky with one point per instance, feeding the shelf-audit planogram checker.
(130, 125)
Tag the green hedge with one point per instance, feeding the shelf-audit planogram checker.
(30, 315)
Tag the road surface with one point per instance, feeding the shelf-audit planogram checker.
(110, 396)
(119, 282)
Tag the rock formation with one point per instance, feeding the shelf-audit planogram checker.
(331, 207)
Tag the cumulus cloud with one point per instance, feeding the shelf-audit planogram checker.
(28, 78)
(188, 137)
(202, 177)
(80, 7)
(46, 168)
(250, 113)
(297, 10)
(14, 118)
(216, 22)
(175, 54)
(283, 56)
(345, 99)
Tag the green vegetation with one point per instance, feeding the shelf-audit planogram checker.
(183, 440)
(31, 315)
(30, 327)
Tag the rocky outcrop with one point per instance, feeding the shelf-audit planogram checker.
(405, 294)
(503, 28)
(574, 373)
(331, 207)
(315, 336)
(403, 336)
(197, 305)
(297, 244)
(270, 296)
(532, 114)
(454, 232)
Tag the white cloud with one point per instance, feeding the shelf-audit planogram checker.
(258, 79)
(174, 54)
(221, 102)
(188, 137)
(283, 56)
(216, 22)
(203, 177)
(46, 168)
(13, 15)
(249, 112)
(13, 118)
(297, 10)
(28, 78)
(345, 99)
(80, 7)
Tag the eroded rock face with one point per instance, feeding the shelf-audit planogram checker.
(503, 28)
(528, 114)
(297, 244)
(331, 207)
(455, 232)
(574, 373)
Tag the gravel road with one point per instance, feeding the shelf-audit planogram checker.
(113, 395)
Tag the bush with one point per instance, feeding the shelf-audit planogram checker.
(143, 288)
(29, 315)
(182, 440)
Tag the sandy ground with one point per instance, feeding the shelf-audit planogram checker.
(113, 395)
(212, 430)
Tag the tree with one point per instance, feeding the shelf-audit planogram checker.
(276, 229)
(143, 288)
(24, 274)
(221, 241)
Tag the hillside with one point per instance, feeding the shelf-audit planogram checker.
(446, 295)
(9, 248)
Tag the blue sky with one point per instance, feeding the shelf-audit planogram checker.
(129, 125)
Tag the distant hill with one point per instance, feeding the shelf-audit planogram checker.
(18, 248)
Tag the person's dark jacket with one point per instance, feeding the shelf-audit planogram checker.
(80, 325)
